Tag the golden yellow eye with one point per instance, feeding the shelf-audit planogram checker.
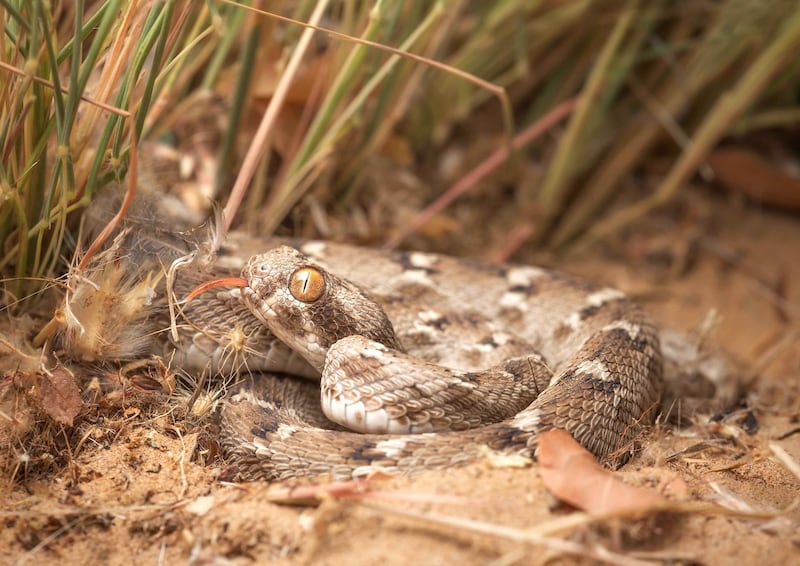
(307, 284)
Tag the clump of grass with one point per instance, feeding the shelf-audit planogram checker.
(375, 71)
(652, 80)
(84, 80)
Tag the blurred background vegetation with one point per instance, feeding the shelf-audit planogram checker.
(632, 100)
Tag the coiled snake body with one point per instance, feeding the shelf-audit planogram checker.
(413, 334)
(604, 376)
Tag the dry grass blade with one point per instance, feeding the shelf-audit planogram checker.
(526, 536)
(491, 163)
(563, 164)
(259, 146)
(346, 100)
(59, 143)
(148, 58)
(788, 462)
(717, 122)
(360, 489)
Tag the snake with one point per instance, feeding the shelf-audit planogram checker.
(349, 361)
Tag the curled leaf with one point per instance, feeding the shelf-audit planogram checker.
(60, 395)
(574, 476)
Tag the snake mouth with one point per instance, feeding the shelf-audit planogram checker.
(240, 282)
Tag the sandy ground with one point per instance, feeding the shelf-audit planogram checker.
(136, 493)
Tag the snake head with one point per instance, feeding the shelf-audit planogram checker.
(309, 308)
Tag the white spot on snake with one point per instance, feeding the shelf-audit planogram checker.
(514, 300)
(393, 447)
(285, 431)
(422, 260)
(314, 350)
(420, 276)
(632, 329)
(429, 315)
(596, 299)
(314, 249)
(483, 348)
(374, 350)
(573, 321)
(521, 276)
(261, 450)
(527, 420)
(603, 296)
(245, 396)
(427, 323)
(420, 329)
(597, 370)
(417, 276)
(497, 340)
(500, 338)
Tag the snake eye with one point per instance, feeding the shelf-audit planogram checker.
(307, 284)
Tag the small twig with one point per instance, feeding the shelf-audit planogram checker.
(182, 464)
(309, 495)
(130, 193)
(518, 535)
(786, 435)
(46, 541)
(121, 510)
(667, 120)
(784, 458)
(766, 359)
(763, 285)
(172, 299)
(65, 89)
(313, 494)
(513, 241)
(487, 166)
(730, 500)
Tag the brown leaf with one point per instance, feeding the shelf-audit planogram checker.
(573, 475)
(741, 169)
(61, 397)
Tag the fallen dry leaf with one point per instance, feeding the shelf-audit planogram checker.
(741, 169)
(677, 487)
(61, 397)
(573, 475)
